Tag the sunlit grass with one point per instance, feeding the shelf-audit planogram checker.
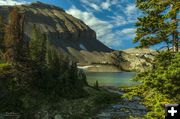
(3, 65)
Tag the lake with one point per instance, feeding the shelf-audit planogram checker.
(115, 79)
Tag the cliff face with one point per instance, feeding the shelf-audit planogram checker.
(73, 38)
(62, 29)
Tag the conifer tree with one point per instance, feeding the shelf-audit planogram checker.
(37, 52)
(1, 37)
(96, 85)
(38, 45)
(159, 23)
(14, 43)
(16, 49)
(53, 61)
(1, 32)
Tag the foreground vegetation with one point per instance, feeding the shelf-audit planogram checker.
(30, 71)
(160, 85)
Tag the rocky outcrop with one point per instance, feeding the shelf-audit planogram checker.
(128, 60)
(134, 60)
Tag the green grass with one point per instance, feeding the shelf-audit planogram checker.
(3, 65)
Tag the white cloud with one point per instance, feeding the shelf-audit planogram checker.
(106, 4)
(102, 28)
(113, 40)
(91, 5)
(114, 2)
(127, 32)
(131, 8)
(99, 5)
(118, 20)
(132, 13)
(12, 2)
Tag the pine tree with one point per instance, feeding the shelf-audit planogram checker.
(172, 14)
(16, 53)
(53, 62)
(1, 32)
(159, 23)
(16, 49)
(38, 45)
(1, 37)
(37, 52)
(14, 43)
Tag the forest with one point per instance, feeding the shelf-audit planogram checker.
(32, 68)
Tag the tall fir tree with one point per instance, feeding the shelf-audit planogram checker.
(37, 52)
(16, 49)
(14, 43)
(158, 24)
(16, 54)
(37, 45)
(1, 37)
(1, 31)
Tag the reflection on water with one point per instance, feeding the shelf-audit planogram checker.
(111, 78)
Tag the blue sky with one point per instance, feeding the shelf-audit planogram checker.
(113, 20)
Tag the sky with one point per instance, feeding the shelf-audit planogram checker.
(113, 20)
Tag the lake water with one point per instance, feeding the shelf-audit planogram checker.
(115, 79)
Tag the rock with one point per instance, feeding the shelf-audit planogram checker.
(58, 116)
(135, 59)
(103, 114)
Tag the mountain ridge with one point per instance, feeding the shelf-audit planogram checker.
(60, 27)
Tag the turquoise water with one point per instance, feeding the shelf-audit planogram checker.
(115, 79)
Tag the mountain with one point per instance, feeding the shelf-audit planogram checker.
(73, 38)
(62, 29)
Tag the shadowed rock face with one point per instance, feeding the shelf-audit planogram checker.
(62, 29)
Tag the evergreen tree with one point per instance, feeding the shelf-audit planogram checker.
(14, 42)
(96, 85)
(16, 53)
(38, 46)
(73, 73)
(159, 23)
(159, 86)
(1, 32)
(16, 49)
(37, 51)
(1, 37)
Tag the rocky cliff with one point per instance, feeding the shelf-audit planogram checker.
(62, 29)
(73, 37)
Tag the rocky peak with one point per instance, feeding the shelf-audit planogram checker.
(39, 4)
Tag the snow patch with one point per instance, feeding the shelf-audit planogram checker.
(82, 47)
(84, 67)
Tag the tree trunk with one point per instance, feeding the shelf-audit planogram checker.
(175, 32)
(175, 41)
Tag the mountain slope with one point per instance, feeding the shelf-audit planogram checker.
(62, 29)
